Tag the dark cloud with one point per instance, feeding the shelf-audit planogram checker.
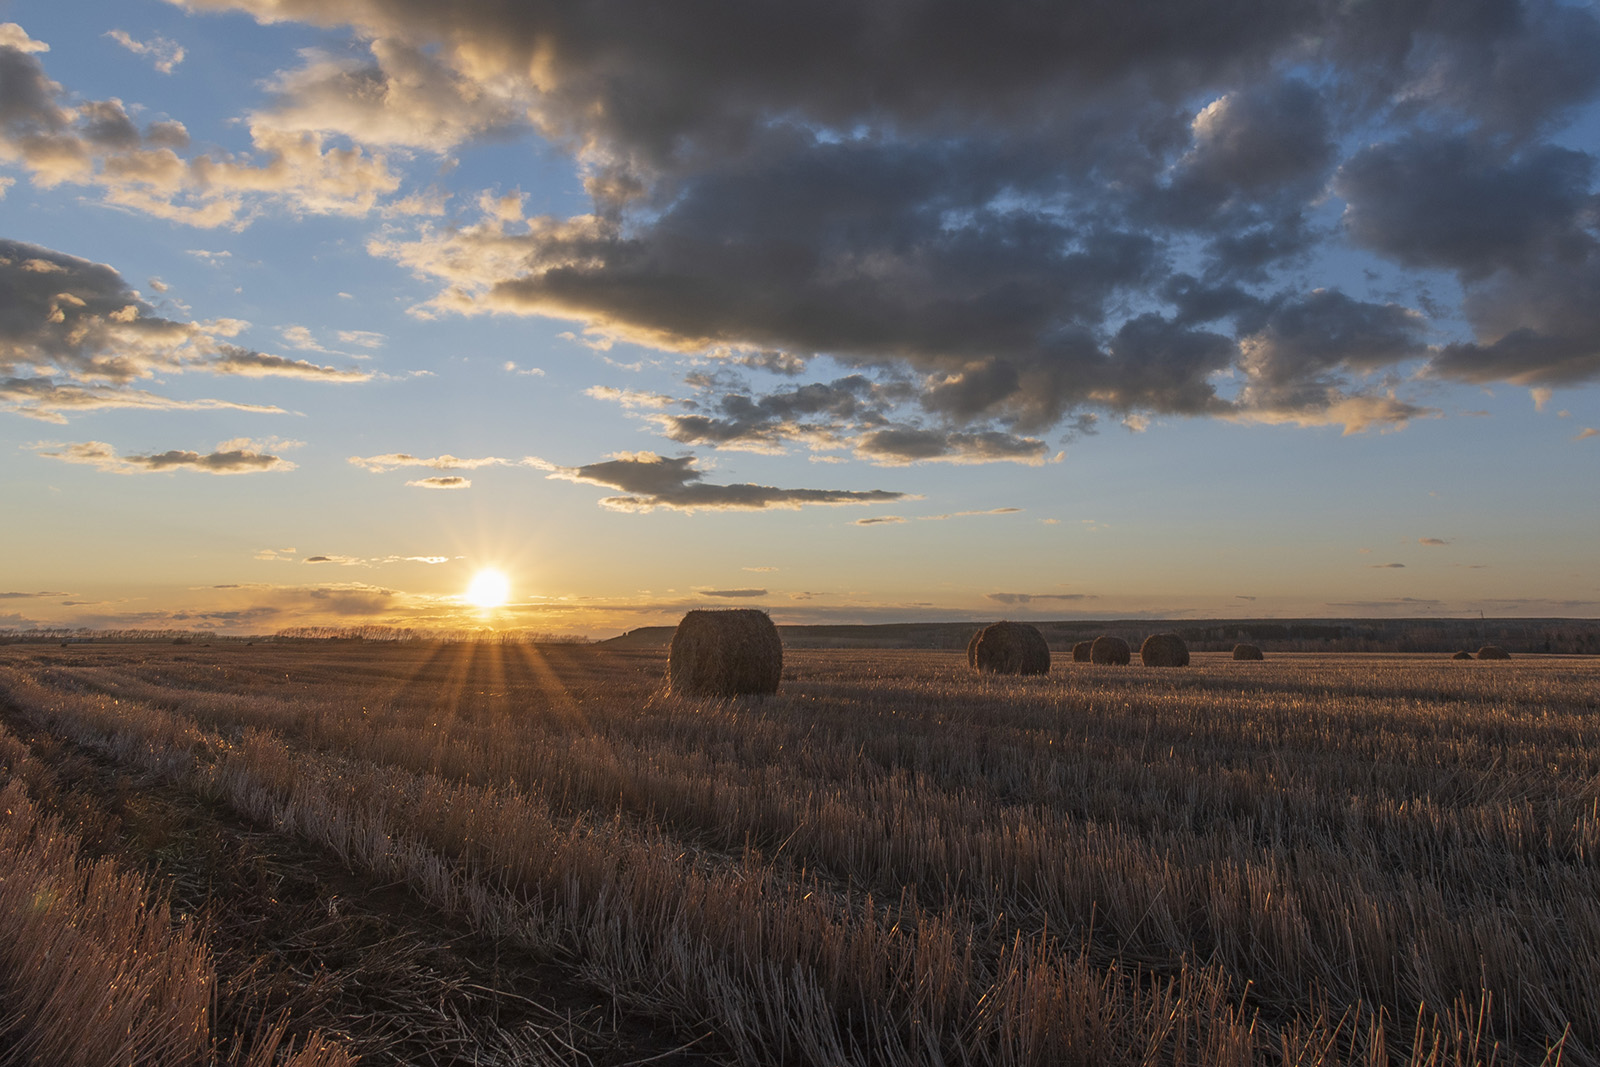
(29, 596)
(1462, 204)
(1297, 363)
(74, 336)
(232, 457)
(734, 594)
(1025, 213)
(900, 446)
(653, 481)
(1385, 566)
(1029, 598)
(880, 520)
(1435, 541)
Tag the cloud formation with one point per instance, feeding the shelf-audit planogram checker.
(451, 481)
(164, 54)
(75, 337)
(651, 481)
(1029, 598)
(393, 460)
(57, 138)
(241, 456)
(1089, 211)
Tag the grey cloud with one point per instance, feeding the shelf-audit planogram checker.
(1542, 59)
(1029, 214)
(734, 594)
(1385, 566)
(230, 458)
(1028, 598)
(231, 359)
(900, 446)
(1435, 541)
(450, 481)
(1461, 204)
(29, 596)
(1267, 138)
(47, 401)
(880, 520)
(74, 336)
(653, 481)
(1298, 360)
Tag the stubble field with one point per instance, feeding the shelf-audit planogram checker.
(511, 854)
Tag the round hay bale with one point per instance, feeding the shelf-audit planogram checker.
(1493, 652)
(972, 648)
(1463, 654)
(1247, 652)
(725, 653)
(1164, 650)
(1080, 652)
(1011, 648)
(1106, 649)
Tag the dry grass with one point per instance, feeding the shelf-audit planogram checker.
(93, 970)
(1355, 859)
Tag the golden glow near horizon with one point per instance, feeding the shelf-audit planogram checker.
(489, 588)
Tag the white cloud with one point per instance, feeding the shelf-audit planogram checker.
(165, 54)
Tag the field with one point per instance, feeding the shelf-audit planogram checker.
(504, 854)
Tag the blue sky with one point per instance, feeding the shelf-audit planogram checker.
(309, 312)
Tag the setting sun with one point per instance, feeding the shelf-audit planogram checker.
(488, 589)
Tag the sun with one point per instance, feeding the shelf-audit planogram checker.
(489, 588)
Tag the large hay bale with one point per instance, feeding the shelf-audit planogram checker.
(1107, 649)
(972, 648)
(1011, 648)
(725, 653)
(1164, 650)
(1247, 652)
(1493, 652)
(1463, 654)
(1080, 652)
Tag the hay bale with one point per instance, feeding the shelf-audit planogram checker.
(1011, 648)
(1247, 652)
(1463, 654)
(1106, 649)
(1164, 650)
(1493, 652)
(725, 653)
(972, 648)
(1080, 652)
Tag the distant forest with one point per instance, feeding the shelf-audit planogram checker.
(1556, 636)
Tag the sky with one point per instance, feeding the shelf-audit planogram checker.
(311, 311)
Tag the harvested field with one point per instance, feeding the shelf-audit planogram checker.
(480, 853)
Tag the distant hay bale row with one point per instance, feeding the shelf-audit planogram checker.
(1164, 650)
(1463, 654)
(1493, 652)
(1009, 648)
(1105, 649)
(725, 653)
(1247, 652)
